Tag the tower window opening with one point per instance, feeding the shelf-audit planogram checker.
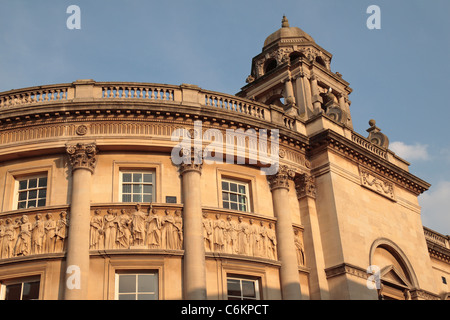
(270, 65)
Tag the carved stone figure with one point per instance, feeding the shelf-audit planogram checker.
(50, 234)
(253, 238)
(62, 226)
(123, 230)
(300, 249)
(243, 237)
(207, 232)
(2, 235)
(169, 231)
(219, 238)
(96, 231)
(153, 230)
(178, 232)
(138, 231)
(271, 243)
(8, 239)
(23, 244)
(110, 228)
(261, 244)
(37, 235)
(230, 235)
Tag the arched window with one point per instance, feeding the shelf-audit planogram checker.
(320, 61)
(396, 275)
(295, 55)
(270, 65)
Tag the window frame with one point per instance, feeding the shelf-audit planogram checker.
(248, 194)
(255, 280)
(22, 280)
(132, 171)
(118, 273)
(19, 178)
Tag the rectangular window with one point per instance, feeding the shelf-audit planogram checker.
(31, 192)
(137, 286)
(242, 289)
(235, 195)
(27, 290)
(137, 186)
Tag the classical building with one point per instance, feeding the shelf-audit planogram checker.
(148, 191)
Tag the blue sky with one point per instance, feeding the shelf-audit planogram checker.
(399, 74)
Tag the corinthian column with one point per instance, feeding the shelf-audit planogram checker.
(194, 249)
(82, 158)
(290, 282)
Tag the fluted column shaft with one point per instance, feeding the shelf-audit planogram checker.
(287, 254)
(194, 250)
(82, 159)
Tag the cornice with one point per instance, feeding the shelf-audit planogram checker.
(332, 141)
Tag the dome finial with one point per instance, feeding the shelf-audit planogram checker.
(284, 22)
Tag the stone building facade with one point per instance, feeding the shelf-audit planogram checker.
(93, 205)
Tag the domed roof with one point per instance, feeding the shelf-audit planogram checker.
(287, 32)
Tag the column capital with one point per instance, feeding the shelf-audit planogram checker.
(281, 178)
(305, 186)
(192, 161)
(82, 156)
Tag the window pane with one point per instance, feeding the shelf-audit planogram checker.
(234, 206)
(32, 183)
(126, 188)
(127, 297)
(248, 289)
(137, 198)
(23, 195)
(225, 196)
(233, 187)
(23, 184)
(226, 205)
(242, 207)
(126, 177)
(233, 197)
(41, 203)
(147, 283)
(42, 193)
(43, 182)
(148, 177)
(137, 177)
(126, 198)
(31, 204)
(32, 194)
(234, 287)
(13, 291)
(225, 186)
(137, 188)
(22, 205)
(127, 283)
(30, 290)
(148, 188)
(147, 198)
(242, 189)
